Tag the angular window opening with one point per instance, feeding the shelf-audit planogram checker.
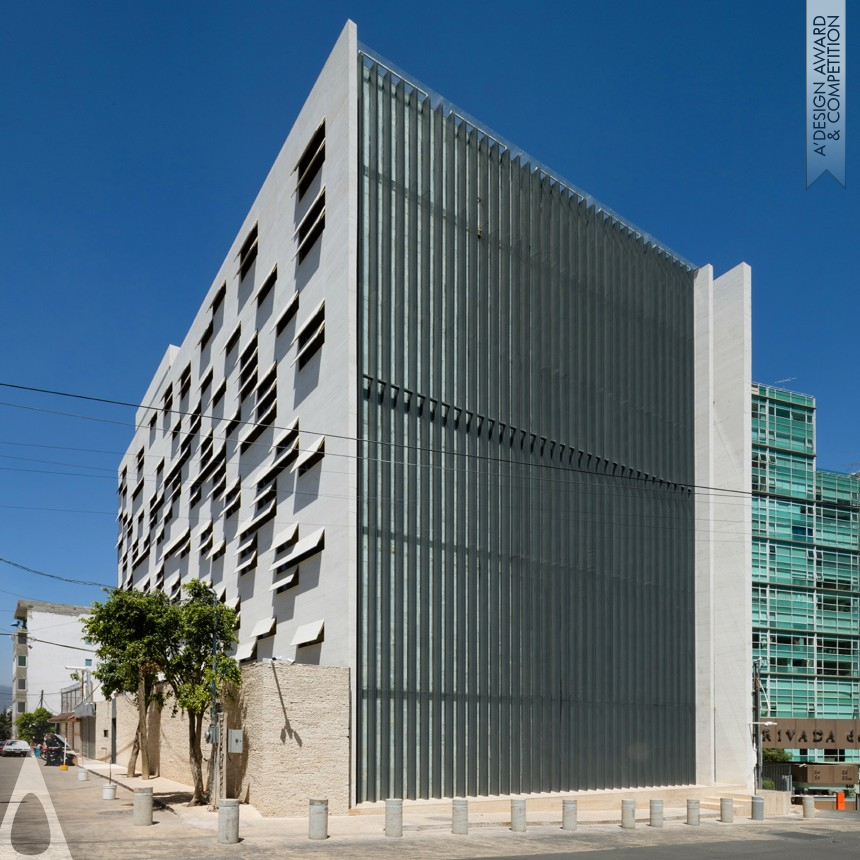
(207, 335)
(248, 252)
(311, 226)
(268, 286)
(311, 161)
(219, 298)
(311, 336)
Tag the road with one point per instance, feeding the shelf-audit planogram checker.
(53, 815)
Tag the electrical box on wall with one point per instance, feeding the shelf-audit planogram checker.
(234, 740)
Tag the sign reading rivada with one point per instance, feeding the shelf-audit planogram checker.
(812, 734)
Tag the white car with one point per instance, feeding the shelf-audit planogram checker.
(15, 748)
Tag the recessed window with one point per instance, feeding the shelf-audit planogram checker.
(219, 298)
(233, 341)
(220, 391)
(287, 314)
(207, 335)
(22, 683)
(248, 252)
(268, 286)
(311, 336)
(311, 161)
(185, 382)
(311, 226)
(22, 659)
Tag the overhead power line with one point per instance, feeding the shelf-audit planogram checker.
(53, 575)
(649, 481)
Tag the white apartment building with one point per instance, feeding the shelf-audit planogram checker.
(48, 638)
(440, 420)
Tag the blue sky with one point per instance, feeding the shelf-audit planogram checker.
(135, 138)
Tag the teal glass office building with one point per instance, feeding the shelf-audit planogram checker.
(806, 569)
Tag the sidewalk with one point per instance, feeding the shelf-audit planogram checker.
(183, 832)
(418, 816)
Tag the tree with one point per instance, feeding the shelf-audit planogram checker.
(133, 632)
(773, 754)
(143, 641)
(32, 727)
(6, 724)
(198, 666)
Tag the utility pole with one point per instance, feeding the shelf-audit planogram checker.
(213, 723)
(757, 721)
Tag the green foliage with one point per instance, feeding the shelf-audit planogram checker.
(778, 755)
(133, 633)
(32, 727)
(178, 646)
(5, 724)
(768, 785)
(202, 620)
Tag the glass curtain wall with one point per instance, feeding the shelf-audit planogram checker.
(806, 569)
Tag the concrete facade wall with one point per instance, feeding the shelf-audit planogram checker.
(724, 527)
(321, 395)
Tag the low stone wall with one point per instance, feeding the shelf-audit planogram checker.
(295, 723)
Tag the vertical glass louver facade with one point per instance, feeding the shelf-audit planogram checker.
(526, 463)
(806, 569)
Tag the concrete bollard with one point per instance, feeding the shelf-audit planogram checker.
(656, 809)
(518, 814)
(228, 820)
(758, 808)
(318, 818)
(83, 775)
(727, 810)
(628, 814)
(109, 791)
(568, 815)
(460, 816)
(142, 812)
(393, 817)
(693, 813)
(809, 807)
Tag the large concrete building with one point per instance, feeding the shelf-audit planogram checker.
(441, 420)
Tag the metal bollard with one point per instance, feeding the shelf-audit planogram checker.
(393, 817)
(228, 820)
(460, 816)
(693, 813)
(568, 815)
(727, 810)
(518, 814)
(142, 811)
(318, 818)
(628, 814)
(656, 808)
(758, 808)
(809, 807)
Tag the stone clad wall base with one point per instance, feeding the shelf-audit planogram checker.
(295, 720)
(296, 738)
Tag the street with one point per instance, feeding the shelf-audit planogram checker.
(54, 815)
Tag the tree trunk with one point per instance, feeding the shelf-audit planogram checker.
(195, 728)
(142, 730)
(132, 762)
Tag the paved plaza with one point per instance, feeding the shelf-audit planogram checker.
(57, 815)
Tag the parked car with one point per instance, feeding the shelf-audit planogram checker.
(15, 748)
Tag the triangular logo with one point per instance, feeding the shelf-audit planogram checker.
(31, 781)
